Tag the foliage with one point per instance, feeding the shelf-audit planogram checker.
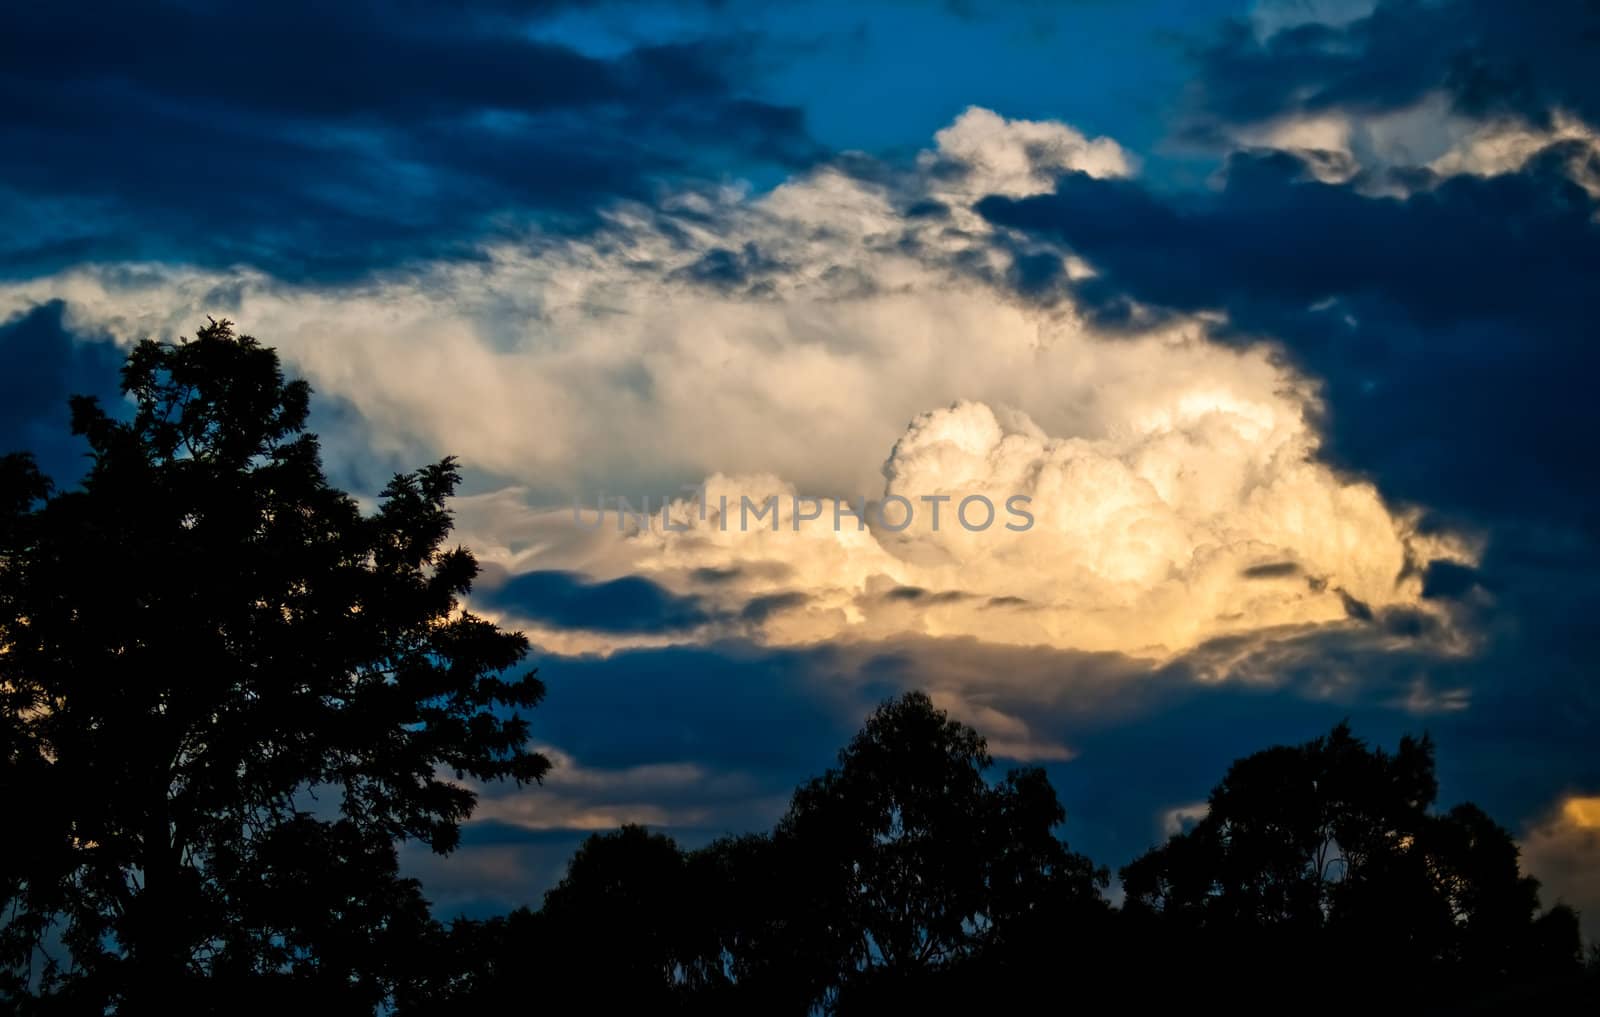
(1327, 853)
(228, 693)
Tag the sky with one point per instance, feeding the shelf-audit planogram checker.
(1276, 316)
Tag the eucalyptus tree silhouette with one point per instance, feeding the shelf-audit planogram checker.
(904, 862)
(1326, 857)
(904, 880)
(625, 917)
(630, 928)
(901, 879)
(227, 693)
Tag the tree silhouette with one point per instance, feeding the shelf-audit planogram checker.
(227, 693)
(1285, 830)
(627, 916)
(905, 860)
(633, 924)
(901, 878)
(1325, 857)
(904, 881)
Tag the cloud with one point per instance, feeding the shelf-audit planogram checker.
(705, 740)
(1389, 97)
(695, 741)
(777, 345)
(45, 366)
(566, 600)
(1269, 17)
(1240, 416)
(1199, 580)
(1488, 60)
(1563, 850)
(1205, 523)
(1449, 318)
(1502, 146)
(584, 361)
(328, 141)
(576, 797)
(984, 153)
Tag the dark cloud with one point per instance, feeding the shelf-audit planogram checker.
(1271, 570)
(1006, 602)
(1448, 579)
(716, 577)
(315, 139)
(1036, 274)
(729, 706)
(1353, 608)
(927, 209)
(1145, 737)
(755, 721)
(1149, 737)
(1450, 332)
(45, 365)
(631, 604)
(1489, 57)
(1450, 328)
(747, 271)
(912, 593)
(918, 595)
(759, 609)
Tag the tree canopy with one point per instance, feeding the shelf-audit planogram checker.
(1328, 853)
(906, 880)
(228, 692)
(901, 869)
(905, 859)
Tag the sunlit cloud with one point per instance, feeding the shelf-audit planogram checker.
(1563, 851)
(777, 346)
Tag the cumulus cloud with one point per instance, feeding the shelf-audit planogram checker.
(1196, 582)
(993, 155)
(1206, 519)
(854, 333)
(776, 346)
(714, 331)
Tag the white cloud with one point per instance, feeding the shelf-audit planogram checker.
(1207, 518)
(1180, 818)
(1018, 158)
(778, 344)
(1505, 146)
(1339, 144)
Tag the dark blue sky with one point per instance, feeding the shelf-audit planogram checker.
(1289, 302)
